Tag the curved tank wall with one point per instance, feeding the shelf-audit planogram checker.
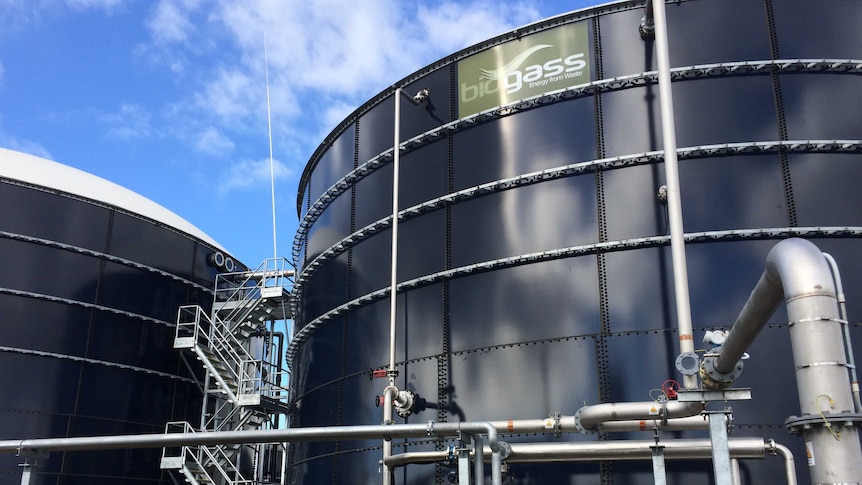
(524, 293)
(92, 278)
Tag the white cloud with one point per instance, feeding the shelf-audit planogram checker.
(25, 146)
(317, 52)
(230, 96)
(131, 122)
(83, 4)
(325, 58)
(169, 22)
(454, 26)
(252, 174)
(212, 142)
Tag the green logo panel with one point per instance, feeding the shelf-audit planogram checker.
(535, 64)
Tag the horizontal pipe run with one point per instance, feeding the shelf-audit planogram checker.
(323, 433)
(627, 450)
(566, 424)
(691, 423)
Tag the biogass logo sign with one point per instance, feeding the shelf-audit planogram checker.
(536, 64)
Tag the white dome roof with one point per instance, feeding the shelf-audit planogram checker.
(45, 173)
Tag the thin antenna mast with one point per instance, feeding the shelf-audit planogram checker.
(271, 162)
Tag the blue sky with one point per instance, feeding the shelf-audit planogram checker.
(168, 97)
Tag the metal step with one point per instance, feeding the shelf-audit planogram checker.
(270, 304)
(263, 404)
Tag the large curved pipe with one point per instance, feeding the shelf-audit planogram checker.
(589, 418)
(795, 270)
(797, 273)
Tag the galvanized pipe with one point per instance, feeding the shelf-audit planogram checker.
(674, 202)
(797, 272)
(289, 435)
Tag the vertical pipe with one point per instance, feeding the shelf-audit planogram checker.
(735, 475)
(396, 160)
(388, 392)
(478, 459)
(842, 313)
(677, 239)
(496, 468)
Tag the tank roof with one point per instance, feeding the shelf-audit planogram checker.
(41, 172)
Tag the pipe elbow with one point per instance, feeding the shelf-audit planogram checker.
(798, 266)
(486, 427)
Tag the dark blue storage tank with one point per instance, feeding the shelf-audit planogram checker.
(524, 293)
(92, 277)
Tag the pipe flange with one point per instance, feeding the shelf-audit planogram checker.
(505, 450)
(798, 424)
(578, 424)
(404, 403)
(687, 363)
(558, 432)
(646, 29)
(713, 379)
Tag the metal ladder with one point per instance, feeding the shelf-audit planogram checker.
(243, 388)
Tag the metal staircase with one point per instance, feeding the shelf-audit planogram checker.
(244, 386)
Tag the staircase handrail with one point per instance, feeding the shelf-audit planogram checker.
(229, 348)
(188, 327)
(266, 379)
(212, 453)
(224, 346)
(272, 273)
(211, 425)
